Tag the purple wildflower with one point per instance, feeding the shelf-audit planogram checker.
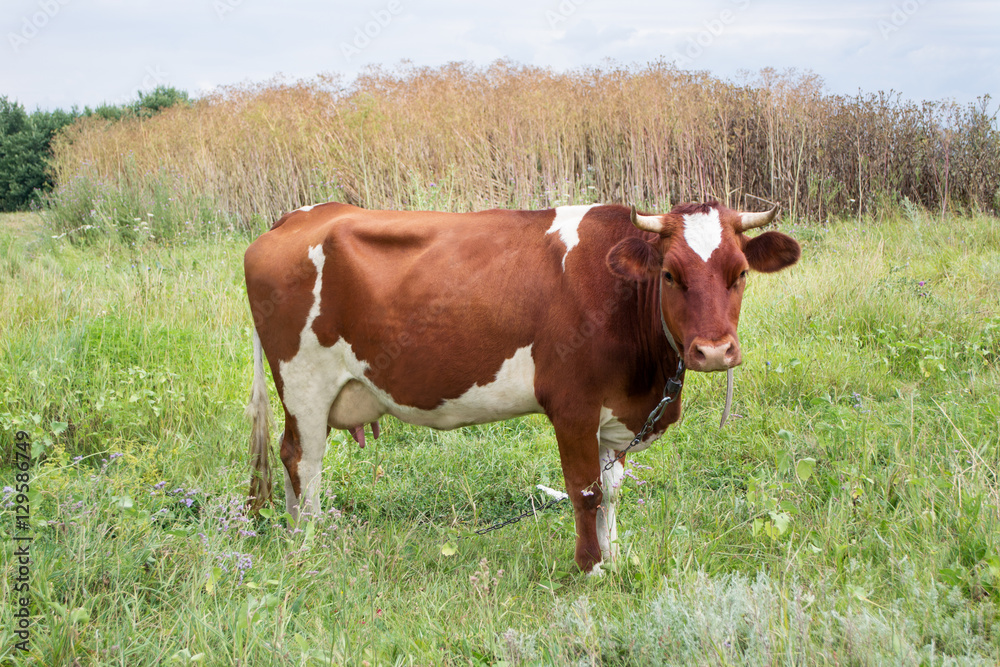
(629, 473)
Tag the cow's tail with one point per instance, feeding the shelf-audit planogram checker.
(259, 413)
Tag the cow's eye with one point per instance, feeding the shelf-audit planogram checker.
(669, 277)
(741, 279)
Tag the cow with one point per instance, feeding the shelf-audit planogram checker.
(581, 313)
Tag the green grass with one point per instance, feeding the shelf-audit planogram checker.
(848, 514)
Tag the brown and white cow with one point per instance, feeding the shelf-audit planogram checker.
(450, 319)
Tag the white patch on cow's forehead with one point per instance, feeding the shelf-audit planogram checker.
(703, 232)
(567, 224)
(306, 208)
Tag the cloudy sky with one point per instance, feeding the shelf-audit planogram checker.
(60, 53)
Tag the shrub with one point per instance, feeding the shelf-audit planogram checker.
(24, 152)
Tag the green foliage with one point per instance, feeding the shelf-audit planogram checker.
(146, 105)
(847, 514)
(25, 151)
(86, 208)
(25, 142)
(158, 99)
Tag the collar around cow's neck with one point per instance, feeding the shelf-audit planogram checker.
(663, 323)
(670, 336)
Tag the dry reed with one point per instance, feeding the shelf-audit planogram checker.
(507, 135)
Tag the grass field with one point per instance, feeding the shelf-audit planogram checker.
(848, 515)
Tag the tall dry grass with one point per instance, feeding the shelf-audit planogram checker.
(517, 136)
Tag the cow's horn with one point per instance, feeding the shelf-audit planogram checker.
(754, 220)
(647, 223)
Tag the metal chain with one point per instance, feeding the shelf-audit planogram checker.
(523, 515)
(670, 392)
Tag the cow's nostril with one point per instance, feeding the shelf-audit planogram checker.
(714, 357)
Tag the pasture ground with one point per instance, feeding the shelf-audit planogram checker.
(847, 515)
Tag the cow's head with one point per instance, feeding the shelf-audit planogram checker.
(701, 256)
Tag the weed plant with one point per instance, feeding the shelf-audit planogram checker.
(461, 137)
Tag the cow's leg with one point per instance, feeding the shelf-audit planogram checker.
(302, 448)
(291, 454)
(313, 434)
(578, 452)
(607, 519)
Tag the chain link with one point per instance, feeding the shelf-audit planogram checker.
(670, 392)
(523, 515)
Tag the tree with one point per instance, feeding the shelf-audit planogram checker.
(25, 140)
(24, 152)
(158, 99)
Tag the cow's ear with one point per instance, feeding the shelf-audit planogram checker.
(771, 251)
(635, 259)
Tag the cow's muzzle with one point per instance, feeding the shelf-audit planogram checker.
(705, 355)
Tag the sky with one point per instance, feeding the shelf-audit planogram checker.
(65, 53)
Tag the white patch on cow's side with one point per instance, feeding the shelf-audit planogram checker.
(511, 393)
(315, 376)
(306, 209)
(310, 385)
(319, 260)
(703, 232)
(607, 517)
(567, 224)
